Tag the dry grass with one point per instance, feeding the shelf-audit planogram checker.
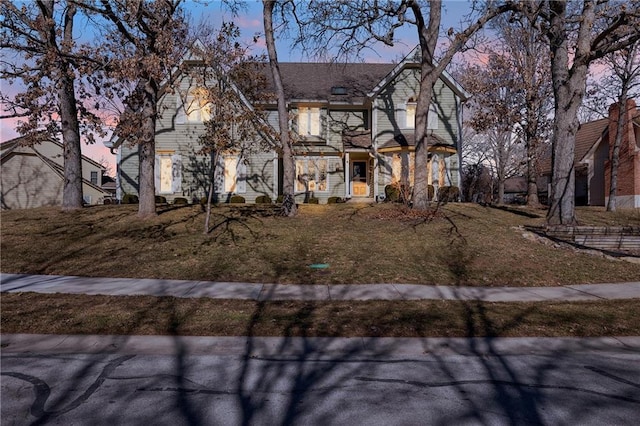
(460, 244)
(144, 315)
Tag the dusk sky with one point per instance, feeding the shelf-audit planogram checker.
(250, 22)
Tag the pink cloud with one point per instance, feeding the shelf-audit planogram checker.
(8, 129)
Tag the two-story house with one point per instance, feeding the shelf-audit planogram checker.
(354, 135)
(33, 175)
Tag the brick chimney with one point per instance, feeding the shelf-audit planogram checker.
(628, 188)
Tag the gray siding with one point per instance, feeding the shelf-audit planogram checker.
(174, 136)
(391, 105)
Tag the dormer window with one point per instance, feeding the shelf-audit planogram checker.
(410, 115)
(338, 90)
(309, 121)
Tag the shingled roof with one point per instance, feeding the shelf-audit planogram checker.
(408, 140)
(333, 82)
(587, 135)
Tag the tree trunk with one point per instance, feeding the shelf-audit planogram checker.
(532, 143)
(532, 173)
(615, 155)
(212, 177)
(420, 177)
(428, 36)
(67, 103)
(569, 86)
(72, 189)
(147, 153)
(289, 207)
(500, 190)
(562, 198)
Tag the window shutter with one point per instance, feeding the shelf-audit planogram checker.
(218, 177)
(315, 127)
(324, 124)
(432, 121)
(156, 174)
(176, 173)
(301, 122)
(401, 116)
(241, 176)
(181, 116)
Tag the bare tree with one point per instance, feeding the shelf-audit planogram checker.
(144, 43)
(527, 51)
(496, 113)
(578, 34)
(289, 207)
(351, 26)
(47, 62)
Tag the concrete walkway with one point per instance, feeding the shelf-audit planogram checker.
(267, 292)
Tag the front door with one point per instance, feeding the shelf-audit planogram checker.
(359, 174)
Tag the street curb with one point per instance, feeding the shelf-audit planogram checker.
(310, 347)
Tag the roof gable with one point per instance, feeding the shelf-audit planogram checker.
(18, 145)
(588, 135)
(412, 60)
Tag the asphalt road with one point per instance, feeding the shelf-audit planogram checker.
(271, 381)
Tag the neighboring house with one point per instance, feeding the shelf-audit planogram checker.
(594, 148)
(109, 186)
(354, 127)
(515, 190)
(33, 175)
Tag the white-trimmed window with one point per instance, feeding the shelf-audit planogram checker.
(411, 114)
(234, 173)
(168, 173)
(309, 121)
(94, 177)
(409, 119)
(312, 174)
(197, 106)
(402, 164)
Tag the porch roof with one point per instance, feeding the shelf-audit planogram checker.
(357, 139)
(400, 141)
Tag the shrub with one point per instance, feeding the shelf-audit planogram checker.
(161, 200)
(279, 199)
(448, 193)
(237, 199)
(130, 199)
(392, 193)
(397, 192)
(263, 199)
(313, 200)
(335, 200)
(180, 200)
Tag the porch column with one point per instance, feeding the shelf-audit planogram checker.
(276, 177)
(118, 178)
(347, 178)
(375, 177)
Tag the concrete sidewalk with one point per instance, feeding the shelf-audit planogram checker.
(267, 292)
